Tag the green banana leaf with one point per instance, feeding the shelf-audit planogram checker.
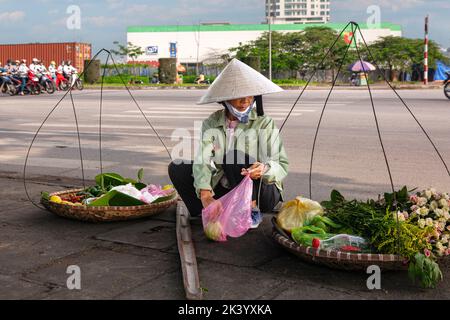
(116, 198)
(140, 186)
(166, 198)
(109, 179)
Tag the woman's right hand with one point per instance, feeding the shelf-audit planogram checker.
(206, 198)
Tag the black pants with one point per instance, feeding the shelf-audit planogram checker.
(183, 181)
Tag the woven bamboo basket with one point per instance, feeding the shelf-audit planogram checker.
(105, 214)
(337, 259)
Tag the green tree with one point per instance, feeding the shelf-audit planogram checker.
(296, 51)
(260, 47)
(129, 50)
(317, 42)
(398, 54)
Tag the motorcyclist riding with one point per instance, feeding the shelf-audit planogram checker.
(52, 69)
(34, 66)
(23, 75)
(70, 72)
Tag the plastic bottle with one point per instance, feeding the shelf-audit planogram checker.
(342, 242)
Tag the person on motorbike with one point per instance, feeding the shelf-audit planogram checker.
(34, 66)
(60, 69)
(2, 72)
(200, 79)
(9, 66)
(42, 74)
(52, 70)
(14, 67)
(70, 72)
(23, 75)
(60, 75)
(42, 68)
(447, 84)
(3, 78)
(6, 78)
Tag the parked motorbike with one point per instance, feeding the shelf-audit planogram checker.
(447, 85)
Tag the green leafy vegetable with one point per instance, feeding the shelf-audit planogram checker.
(45, 195)
(426, 270)
(374, 220)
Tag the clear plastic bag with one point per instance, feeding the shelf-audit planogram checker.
(231, 215)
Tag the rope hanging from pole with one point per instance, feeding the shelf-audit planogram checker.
(69, 92)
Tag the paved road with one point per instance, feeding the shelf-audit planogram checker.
(138, 259)
(348, 154)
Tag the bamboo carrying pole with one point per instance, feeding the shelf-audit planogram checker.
(186, 250)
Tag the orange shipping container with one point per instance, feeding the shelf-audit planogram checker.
(47, 52)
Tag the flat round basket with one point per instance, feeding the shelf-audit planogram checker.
(105, 214)
(337, 259)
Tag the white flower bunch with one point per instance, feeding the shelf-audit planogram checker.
(430, 208)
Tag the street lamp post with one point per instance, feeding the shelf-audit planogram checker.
(271, 3)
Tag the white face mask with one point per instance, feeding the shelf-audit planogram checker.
(242, 116)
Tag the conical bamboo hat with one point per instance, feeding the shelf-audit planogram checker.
(238, 80)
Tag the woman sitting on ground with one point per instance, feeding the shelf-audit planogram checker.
(236, 140)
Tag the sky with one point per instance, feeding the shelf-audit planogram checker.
(105, 21)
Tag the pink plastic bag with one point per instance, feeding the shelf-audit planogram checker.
(231, 215)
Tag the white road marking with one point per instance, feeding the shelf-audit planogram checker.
(56, 162)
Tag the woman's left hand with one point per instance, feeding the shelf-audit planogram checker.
(256, 171)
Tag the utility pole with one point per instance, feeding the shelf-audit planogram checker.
(271, 3)
(198, 49)
(425, 61)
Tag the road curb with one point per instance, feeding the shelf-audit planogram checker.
(397, 87)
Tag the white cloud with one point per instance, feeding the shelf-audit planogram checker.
(190, 10)
(394, 5)
(115, 4)
(101, 21)
(13, 16)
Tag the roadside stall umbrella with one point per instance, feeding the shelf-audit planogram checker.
(362, 66)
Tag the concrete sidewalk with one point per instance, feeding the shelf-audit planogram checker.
(139, 260)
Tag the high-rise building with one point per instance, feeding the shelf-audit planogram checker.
(298, 11)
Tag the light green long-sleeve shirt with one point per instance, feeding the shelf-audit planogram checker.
(259, 138)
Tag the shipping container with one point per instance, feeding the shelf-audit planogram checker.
(47, 52)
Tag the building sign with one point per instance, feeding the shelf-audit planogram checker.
(173, 49)
(348, 37)
(151, 50)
